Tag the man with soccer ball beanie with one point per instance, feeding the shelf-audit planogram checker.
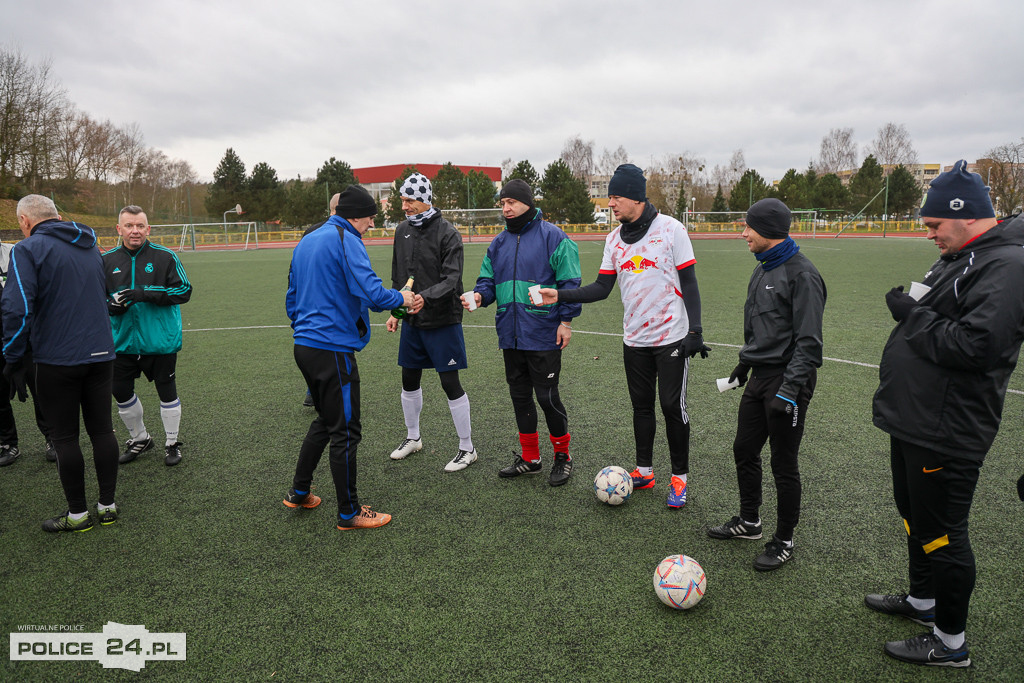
(331, 286)
(651, 257)
(146, 284)
(529, 252)
(429, 250)
(781, 352)
(942, 381)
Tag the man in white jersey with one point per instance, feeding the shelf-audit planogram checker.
(651, 257)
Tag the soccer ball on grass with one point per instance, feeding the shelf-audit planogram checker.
(613, 485)
(679, 581)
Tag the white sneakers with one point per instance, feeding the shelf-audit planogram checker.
(461, 461)
(406, 448)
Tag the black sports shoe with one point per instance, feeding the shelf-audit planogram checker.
(561, 470)
(8, 454)
(308, 401)
(927, 648)
(51, 452)
(736, 528)
(65, 523)
(776, 553)
(520, 466)
(106, 517)
(172, 454)
(897, 605)
(133, 449)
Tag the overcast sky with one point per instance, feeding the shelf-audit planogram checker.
(474, 82)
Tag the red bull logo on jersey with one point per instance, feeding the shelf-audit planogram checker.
(638, 264)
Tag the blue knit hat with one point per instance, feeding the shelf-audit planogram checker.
(628, 181)
(958, 193)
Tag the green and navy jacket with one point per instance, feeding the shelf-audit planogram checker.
(151, 326)
(540, 254)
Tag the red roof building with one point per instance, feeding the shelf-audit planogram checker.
(379, 179)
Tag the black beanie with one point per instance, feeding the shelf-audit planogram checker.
(356, 202)
(769, 218)
(628, 181)
(519, 190)
(957, 194)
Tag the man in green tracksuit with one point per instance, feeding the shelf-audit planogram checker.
(146, 283)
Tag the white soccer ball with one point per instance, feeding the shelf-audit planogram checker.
(613, 485)
(679, 581)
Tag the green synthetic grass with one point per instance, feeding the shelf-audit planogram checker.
(479, 578)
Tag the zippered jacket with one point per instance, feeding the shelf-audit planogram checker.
(151, 326)
(540, 254)
(54, 301)
(433, 254)
(332, 287)
(946, 367)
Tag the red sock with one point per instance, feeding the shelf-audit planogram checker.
(529, 444)
(561, 443)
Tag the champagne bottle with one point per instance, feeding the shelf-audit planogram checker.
(402, 311)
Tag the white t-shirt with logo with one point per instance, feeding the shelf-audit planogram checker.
(648, 276)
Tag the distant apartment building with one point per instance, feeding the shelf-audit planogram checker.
(379, 180)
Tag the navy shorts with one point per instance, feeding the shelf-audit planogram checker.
(442, 348)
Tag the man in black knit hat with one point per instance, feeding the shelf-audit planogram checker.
(781, 352)
(943, 378)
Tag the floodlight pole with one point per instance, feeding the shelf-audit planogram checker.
(237, 210)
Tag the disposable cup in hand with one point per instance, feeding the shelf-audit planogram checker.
(535, 295)
(917, 290)
(470, 299)
(725, 385)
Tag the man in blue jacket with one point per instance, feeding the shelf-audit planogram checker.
(330, 287)
(531, 252)
(55, 304)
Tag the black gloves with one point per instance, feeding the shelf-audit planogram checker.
(740, 373)
(899, 303)
(15, 374)
(114, 308)
(127, 297)
(781, 406)
(693, 343)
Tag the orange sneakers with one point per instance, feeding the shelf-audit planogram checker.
(365, 519)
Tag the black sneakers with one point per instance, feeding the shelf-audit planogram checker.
(133, 449)
(172, 454)
(736, 528)
(561, 470)
(51, 452)
(65, 523)
(8, 454)
(776, 553)
(897, 605)
(520, 466)
(929, 649)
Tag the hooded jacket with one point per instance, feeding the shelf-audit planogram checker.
(540, 254)
(55, 300)
(433, 254)
(331, 284)
(946, 366)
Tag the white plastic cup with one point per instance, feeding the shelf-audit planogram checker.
(470, 299)
(535, 295)
(918, 290)
(725, 385)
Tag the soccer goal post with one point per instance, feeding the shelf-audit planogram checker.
(804, 221)
(196, 236)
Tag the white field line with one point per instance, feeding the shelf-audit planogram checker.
(575, 331)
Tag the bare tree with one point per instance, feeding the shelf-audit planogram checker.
(893, 146)
(611, 160)
(578, 154)
(506, 167)
(727, 176)
(1003, 171)
(70, 142)
(838, 152)
(131, 148)
(101, 149)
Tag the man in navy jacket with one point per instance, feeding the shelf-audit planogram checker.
(55, 304)
(331, 286)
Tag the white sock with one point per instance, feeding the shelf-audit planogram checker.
(131, 414)
(460, 416)
(757, 523)
(953, 641)
(101, 507)
(412, 404)
(170, 413)
(646, 471)
(77, 515)
(680, 476)
(923, 604)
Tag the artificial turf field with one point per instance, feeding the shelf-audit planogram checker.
(479, 578)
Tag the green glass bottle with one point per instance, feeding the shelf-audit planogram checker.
(401, 311)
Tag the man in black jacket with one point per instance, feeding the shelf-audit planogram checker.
(781, 351)
(429, 250)
(943, 378)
